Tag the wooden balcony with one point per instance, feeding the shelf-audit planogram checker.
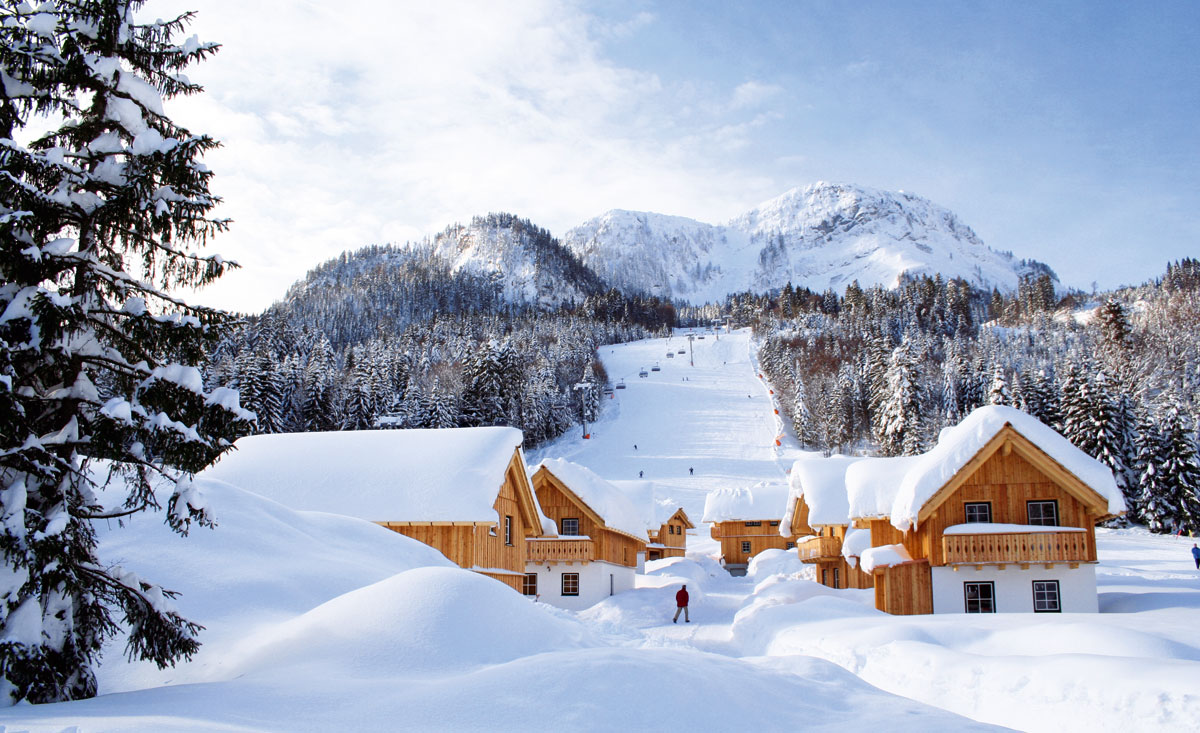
(560, 550)
(819, 548)
(1016, 547)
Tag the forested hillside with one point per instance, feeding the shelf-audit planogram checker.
(414, 336)
(885, 370)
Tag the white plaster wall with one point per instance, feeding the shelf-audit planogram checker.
(593, 583)
(1014, 587)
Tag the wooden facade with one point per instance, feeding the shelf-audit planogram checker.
(1006, 475)
(671, 538)
(602, 543)
(742, 540)
(905, 589)
(495, 549)
(823, 548)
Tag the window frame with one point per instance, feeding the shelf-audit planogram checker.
(526, 584)
(976, 505)
(1043, 503)
(1057, 596)
(991, 600)
(508, 530)
(753, 524)
(746, 546)
(574, 578)
(562, 526)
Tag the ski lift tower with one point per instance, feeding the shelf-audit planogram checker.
(691, 356)
(586, 388)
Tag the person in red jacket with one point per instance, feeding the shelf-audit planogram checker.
(681, 601)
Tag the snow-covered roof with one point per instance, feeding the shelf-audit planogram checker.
(959, 444)
(871, 485)
(762, 501)
(448, 475)
(647, 498)
(885, 556)
(821, 482)
(613, 506)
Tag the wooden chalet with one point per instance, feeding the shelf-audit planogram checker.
(746, 521)
(670, 539)
(667, 524)
(463, 491)
(818, 516)
(999, 517)
(600, 541)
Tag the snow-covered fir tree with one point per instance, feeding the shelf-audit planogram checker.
(100, 219)
(901, 423)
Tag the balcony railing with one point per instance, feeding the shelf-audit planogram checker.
(1016, 547)
(577, 550)
(819, 548)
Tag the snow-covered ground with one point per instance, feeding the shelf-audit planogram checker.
(317, 622)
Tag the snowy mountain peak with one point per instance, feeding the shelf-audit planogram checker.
(819, 236)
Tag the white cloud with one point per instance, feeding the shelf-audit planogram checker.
(753, 94)
(343, 129)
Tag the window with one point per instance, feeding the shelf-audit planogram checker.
(791, 545)
(979, 511)
(774, 524)
(1043, 513)
(837, 579)
(670, 529)
(1045, 596)
(746, 547)
(570, 525)
(981, 597)
(753, 524)
(824, 576)
(529, 585)
(570, 584)
(507, 530)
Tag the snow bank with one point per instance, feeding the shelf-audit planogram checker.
(613, 506)
(775, 562)
(884, 556)
(764, 500)
(262, 563)
(959, 444)
(421, 621)
(821, 482)
(377, 475)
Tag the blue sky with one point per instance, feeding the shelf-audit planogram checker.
(1065, 132)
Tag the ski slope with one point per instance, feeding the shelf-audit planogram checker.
(707, 410)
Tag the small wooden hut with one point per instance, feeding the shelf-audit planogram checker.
(746, 521)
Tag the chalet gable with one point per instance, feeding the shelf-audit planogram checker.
(682, 516)
(1009, 440)
(615, 513)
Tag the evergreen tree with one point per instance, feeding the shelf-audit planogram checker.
(802, 419)
(998, 390)
(97, 382)
(900, 427)
(1180, 491)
